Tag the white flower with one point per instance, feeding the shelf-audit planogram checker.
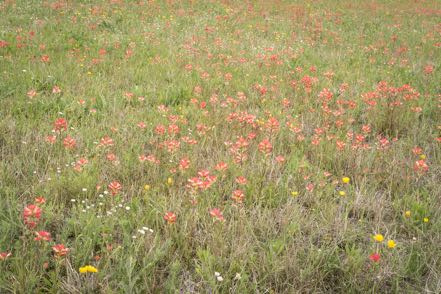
(217, 274)
(220, 279)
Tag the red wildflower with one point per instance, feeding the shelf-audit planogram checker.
(40, 200)
(375, 257)
(115, 187)
(56, 90)
(42, 236)
(184, 163)
(69, 142)
(265, 146)
(60, 124)
(215, 212)
(170, 217)
(60, 250)
(32, 211)
(421, 166)
(106, 141)
(241, 180)
(51, 139)
(4, 255)
(238, 196)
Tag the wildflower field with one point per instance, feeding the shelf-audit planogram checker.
(220, 146)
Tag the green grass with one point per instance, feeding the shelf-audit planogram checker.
(339, 89)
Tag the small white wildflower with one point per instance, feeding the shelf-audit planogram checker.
(141, 232)
(82, 201)
(217, 274)
(84, 189)
(220, 279)
(72, 200)
(127, 208)
(83, 210)
(133, 237)
(106, 192)
(238, 276)
(101, 195)
(150, 230)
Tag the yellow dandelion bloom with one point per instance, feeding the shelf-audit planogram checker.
(391, 244)
(294, 193)
(407, 213)
(378, 238)
(346, 180)
(88, 269)
(147, 187)
(169, 181)
(83, 270)
(342, 193)
(426, 219)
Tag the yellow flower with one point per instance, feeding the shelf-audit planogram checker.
(422, 156)
(407, 213)
(83, 270)
(88, 269)
(92, 269)
(147, 187)
(346, 180)
(391, 244)
(169, 181)
(294, 193)
(378, 238)
(342, 193)
(426, 220)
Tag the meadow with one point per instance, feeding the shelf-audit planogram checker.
(220, 146)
